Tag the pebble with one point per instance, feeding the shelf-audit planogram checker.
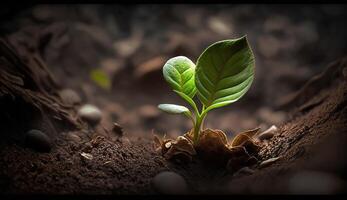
(269, 133)
(70, 97)
(268, 162)
(169, 183)
(87, 156)
(38, 141)
(315, 182)
(91, 114)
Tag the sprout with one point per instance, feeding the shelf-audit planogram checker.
(222, 75)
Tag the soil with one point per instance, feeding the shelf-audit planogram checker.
(310, 110)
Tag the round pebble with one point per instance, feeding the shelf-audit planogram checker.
(169, 183)
(268, 162)
(38, 141)
(269, 133)
(70, 97)
(91, 114)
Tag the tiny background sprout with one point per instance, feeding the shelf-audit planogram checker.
(223, 73)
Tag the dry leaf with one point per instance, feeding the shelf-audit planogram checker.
(212, 147)
(251, 132)
(240, 139)
(180, 149)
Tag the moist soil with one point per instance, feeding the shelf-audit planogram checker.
(314, 139)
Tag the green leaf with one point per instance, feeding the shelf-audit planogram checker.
(173, 109)
(179, 72)
(101, 78)
(224, 72)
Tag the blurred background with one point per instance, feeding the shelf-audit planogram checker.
(112, 55)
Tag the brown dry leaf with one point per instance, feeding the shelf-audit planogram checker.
(246, 140)
(165, 146)
(180, 149)
(212, 146)
(244, 150)
(157, 143)
(239, 158)
(251, 132)
(252, 147)
(183, 144)
(189, 135)
(240, 139)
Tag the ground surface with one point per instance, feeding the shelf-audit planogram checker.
(312, 126)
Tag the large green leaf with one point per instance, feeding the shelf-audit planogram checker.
(179, 72)
(224, 72)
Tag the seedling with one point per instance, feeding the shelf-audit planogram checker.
(222, 75)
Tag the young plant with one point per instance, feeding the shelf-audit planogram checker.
(222, 75)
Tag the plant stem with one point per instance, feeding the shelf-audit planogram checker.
(197, 127)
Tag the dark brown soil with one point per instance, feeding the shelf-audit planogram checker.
(116, 167)
(314, 139)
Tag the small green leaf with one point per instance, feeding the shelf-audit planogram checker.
(179, 72)
(101, 78)
(173, 109)
(224, 72)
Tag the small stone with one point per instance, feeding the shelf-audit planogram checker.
(38, 141)
(315, 182)
(269, 133)
(87, 156)
(70, 97)
(169, 183)
(90, 114)
(268, 162)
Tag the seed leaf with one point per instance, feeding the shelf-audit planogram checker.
(173, 109)
(224, 72)
(179, 72)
